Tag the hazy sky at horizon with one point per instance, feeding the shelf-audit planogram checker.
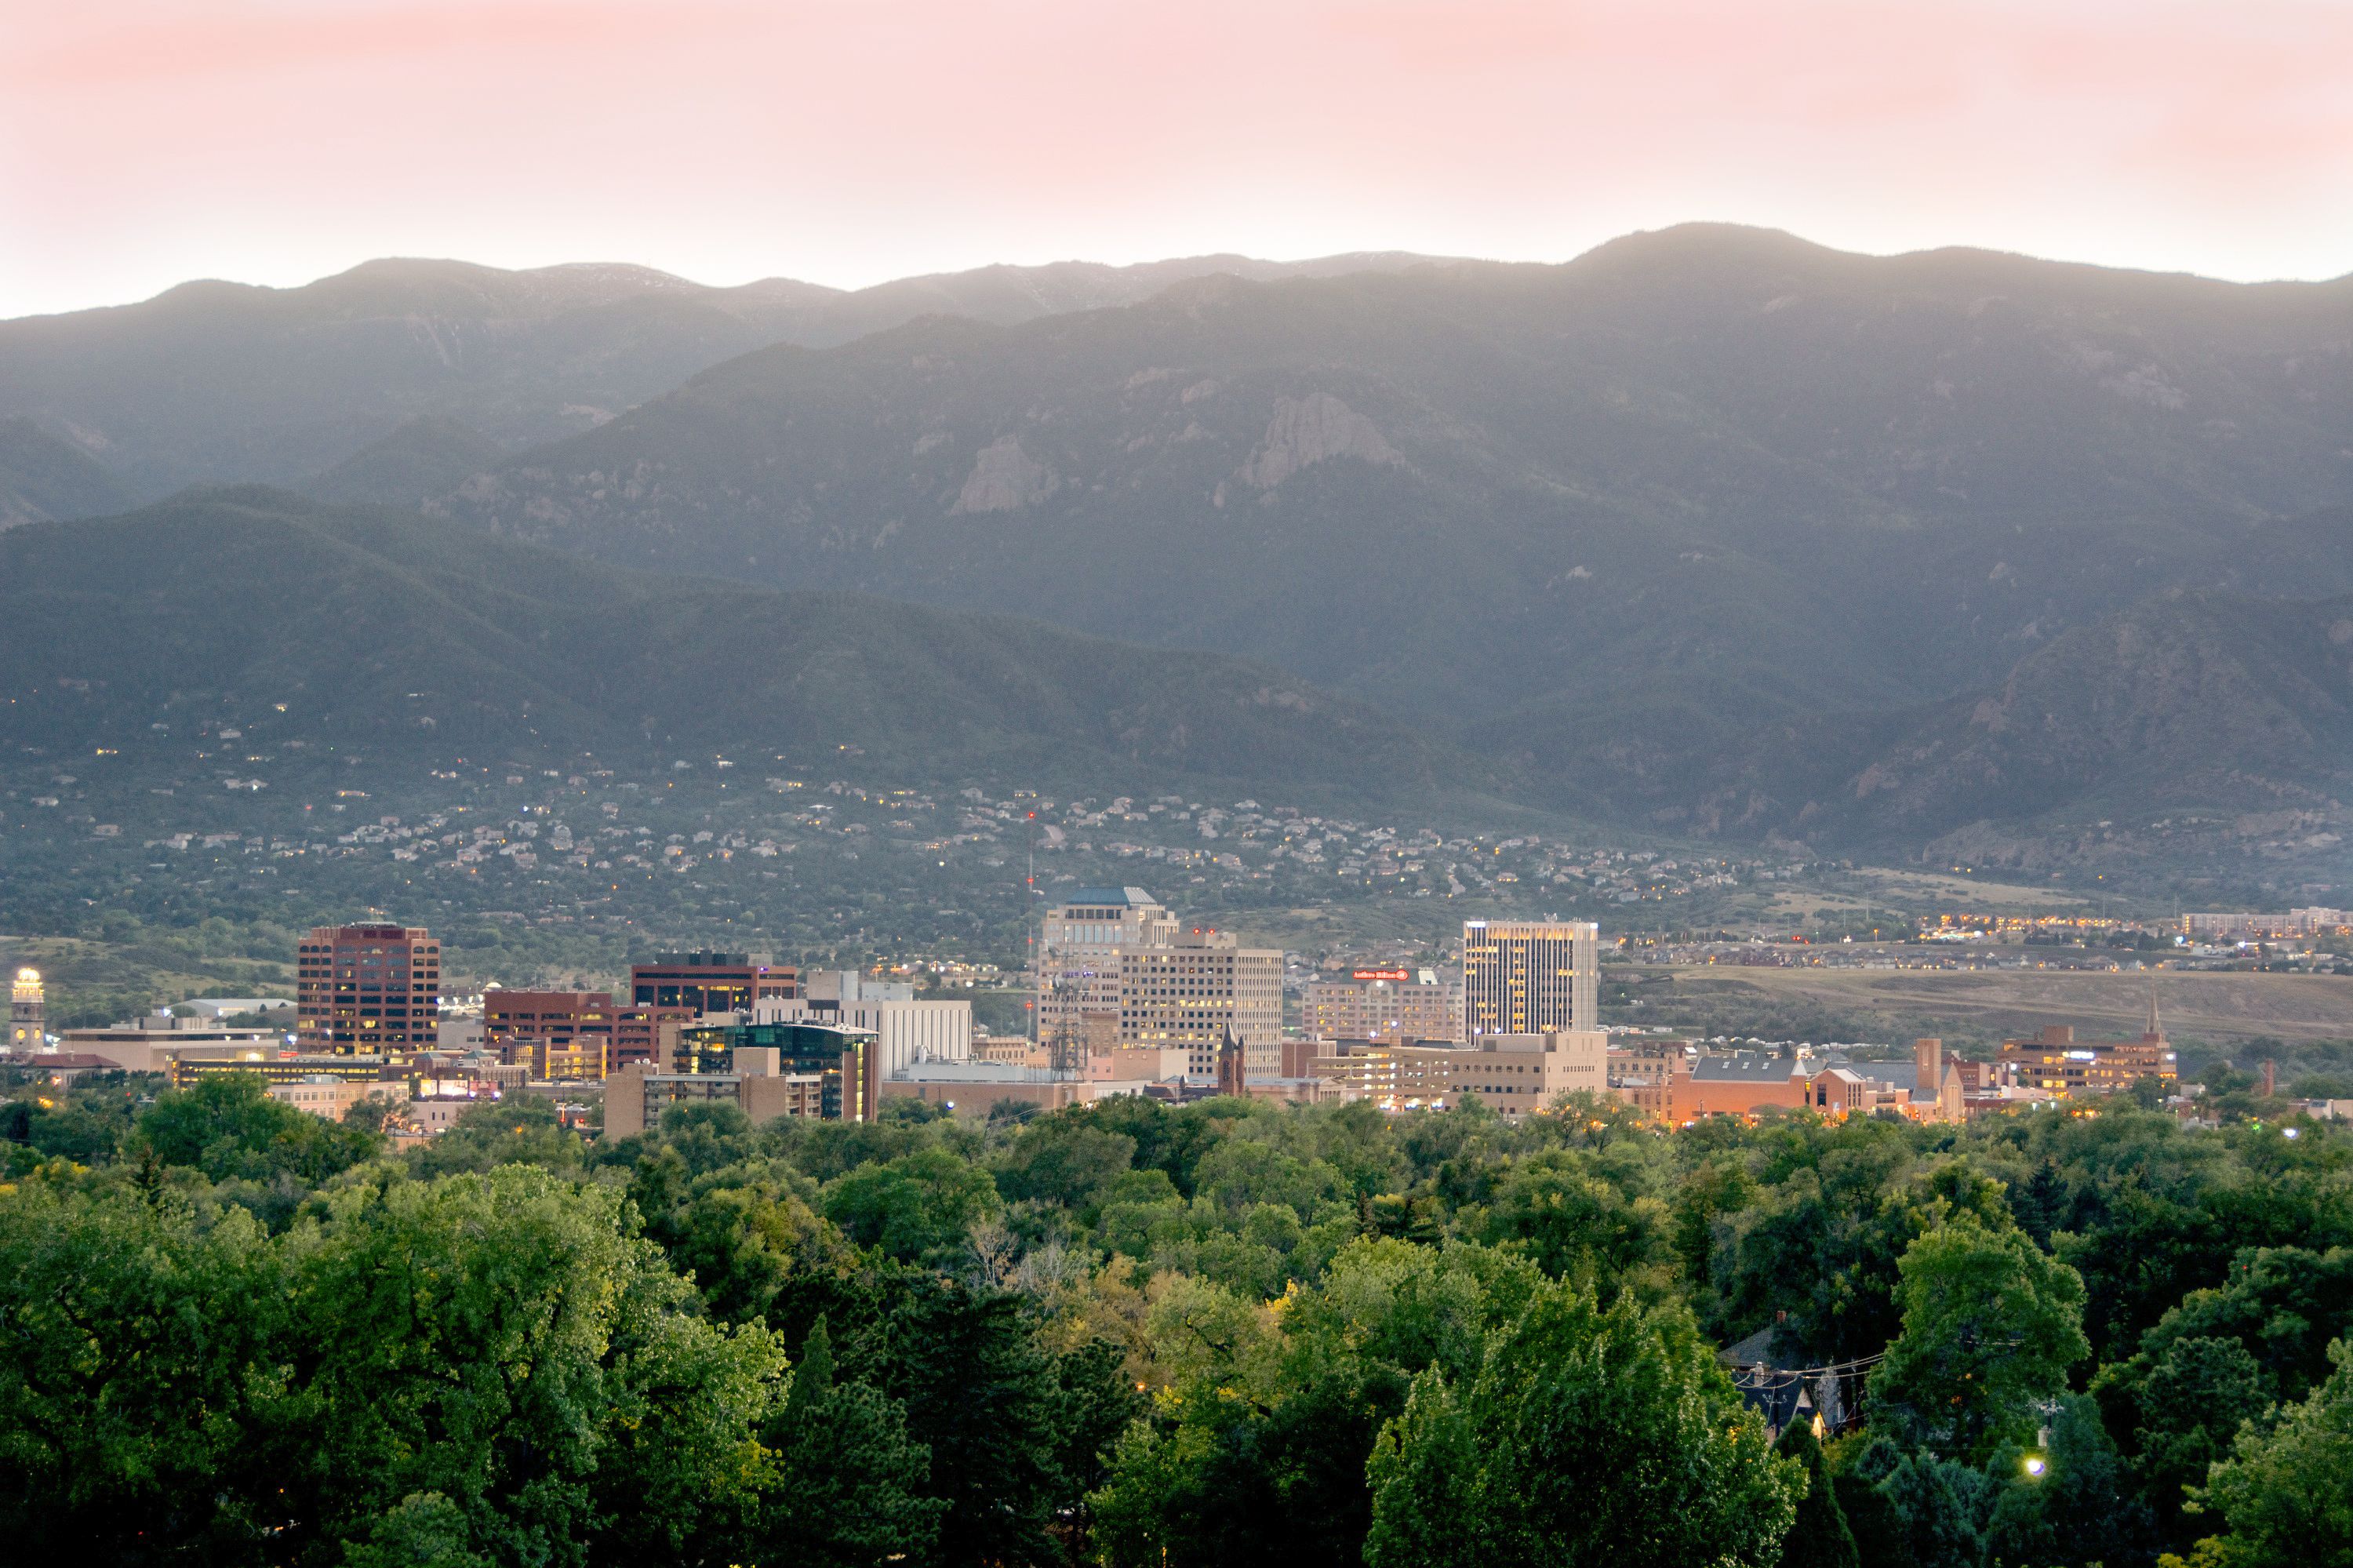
(846, 142)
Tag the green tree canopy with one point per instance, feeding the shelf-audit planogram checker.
(918, 1207)
(2287, 1491)
(229, 1126)
(1501, 1475)
(1991, 1324)
(521, 1129)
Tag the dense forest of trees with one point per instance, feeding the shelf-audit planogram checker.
(1130, 1335)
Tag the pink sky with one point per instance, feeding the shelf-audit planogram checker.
(144, 141)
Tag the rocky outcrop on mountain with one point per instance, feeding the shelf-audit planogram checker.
(1003, 478)
(1316, 429)
(1693, 480)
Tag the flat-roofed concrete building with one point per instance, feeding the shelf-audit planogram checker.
(2313, 922)
(151, 1043)
(283, 1069)
(905, 1029)
(758, 1081)
(333, 1099)
(1383, 1004)
(970, 1088)
(1530, 977)
(368, 990)
(232, 1006)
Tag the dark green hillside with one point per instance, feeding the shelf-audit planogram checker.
(2120, 739)
(42, 477)
(398, 633)
(2204, 702)
(425, 458)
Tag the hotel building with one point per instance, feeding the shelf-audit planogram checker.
(1384, 1004)
(1529, 977)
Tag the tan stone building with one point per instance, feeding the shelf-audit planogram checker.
(1117, 972)
(329, 1098)
(1191, 990)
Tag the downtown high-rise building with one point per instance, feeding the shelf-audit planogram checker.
(1116, 970)
(367, 990)
(1080, 944)
(1530, 977)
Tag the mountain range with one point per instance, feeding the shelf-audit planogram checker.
(215, 382)
(1710, 530)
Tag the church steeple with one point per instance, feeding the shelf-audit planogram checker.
(2154, 1031)
(1233, 1076)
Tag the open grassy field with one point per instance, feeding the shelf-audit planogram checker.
(1873, 894)
(1982, 1006)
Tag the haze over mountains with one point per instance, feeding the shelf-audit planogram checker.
(1710, 530)
(214, 382)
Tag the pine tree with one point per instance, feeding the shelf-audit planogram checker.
(813, 1376)
(1819, 1538)
(2040, 1205)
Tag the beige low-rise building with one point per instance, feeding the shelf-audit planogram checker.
(759, 1086)
(1514, 1075)
(333, 1099)
(433, 1115)
(1139, 1064)
(151, 1043)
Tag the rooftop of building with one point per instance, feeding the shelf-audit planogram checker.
(219, 1006)
(704, 961)
(1748, 1069)
(1125, 897)
(974, 1073)
(164, 1023)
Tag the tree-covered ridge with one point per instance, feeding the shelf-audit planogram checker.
(474, 644)
(1131, 1334)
